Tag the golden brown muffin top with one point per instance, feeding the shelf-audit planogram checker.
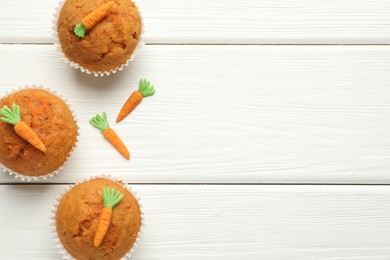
(106, 46)
(51, 120)
(77, 217)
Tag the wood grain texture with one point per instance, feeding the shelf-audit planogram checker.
(225, 21)
(222, 222)
(234, 114)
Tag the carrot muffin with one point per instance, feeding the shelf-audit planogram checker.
(53, 123)
(85, 211)
(109, 43)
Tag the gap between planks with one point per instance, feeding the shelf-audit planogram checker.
(201, 184)
(223, 44)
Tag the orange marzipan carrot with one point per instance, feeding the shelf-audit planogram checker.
(145, 89)
(101, 123)
(131, 103)
(92, 19)
(96, 15)
(20, 127)
(102, 226)
(110, 200)
(114, 139)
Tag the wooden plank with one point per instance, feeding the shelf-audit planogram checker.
(225, 21)
(231, 114)
(222, 222)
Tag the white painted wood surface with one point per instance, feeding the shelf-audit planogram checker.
(228, 114)
(223, 222)
(225, 114)
(225, 21)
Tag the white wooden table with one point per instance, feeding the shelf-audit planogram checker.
(268, 137)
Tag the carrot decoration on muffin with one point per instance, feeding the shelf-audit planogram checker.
(92, 19)
(21, 128)
(102, 124)
(145, 89)
(110, 200)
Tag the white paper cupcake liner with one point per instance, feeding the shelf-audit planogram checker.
(21, 176)
(61, 249)
(75, 65)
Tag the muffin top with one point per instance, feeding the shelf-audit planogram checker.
(107, 45)
(51, 120)
(77, 218)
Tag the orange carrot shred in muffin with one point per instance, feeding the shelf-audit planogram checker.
(92, 19)
(20, 127)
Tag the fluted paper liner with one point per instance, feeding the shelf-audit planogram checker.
(61, 249)
(23, 177)
(75, 65)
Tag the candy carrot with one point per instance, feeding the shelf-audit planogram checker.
(145, 89)
(110, 200)
(20, 127)
(92, 19)
(102, 124)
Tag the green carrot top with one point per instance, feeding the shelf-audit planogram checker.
(111, 198)
(145, 88)
(100, 122)
(80, 30)
(11, 117)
